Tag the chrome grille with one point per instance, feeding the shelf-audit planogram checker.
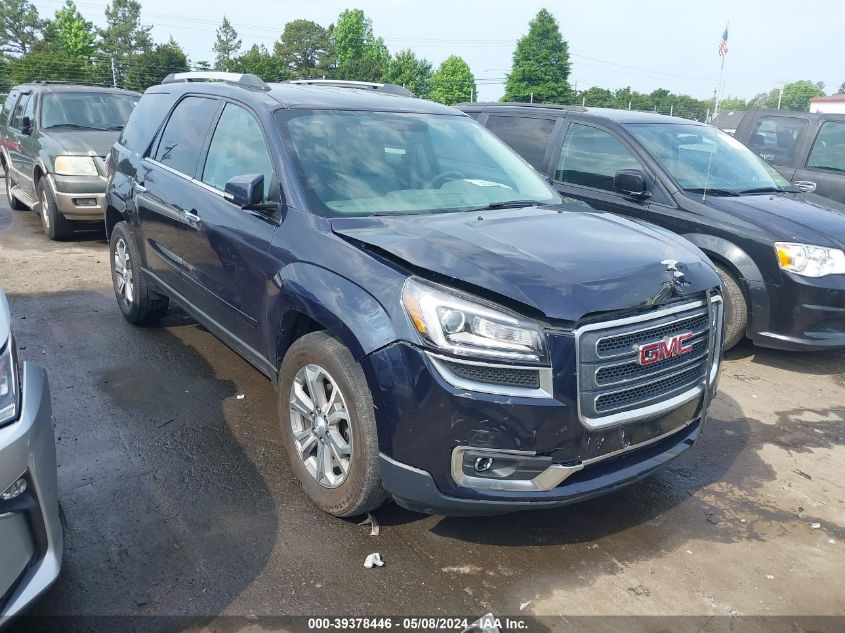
(614, 387)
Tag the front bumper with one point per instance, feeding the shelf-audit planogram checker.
(802, 314)
(80, 198)
(426, 426)
(29, 522)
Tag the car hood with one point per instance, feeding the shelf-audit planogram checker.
(5, 324)
(86, 142)
(564, 264)
(805, 218)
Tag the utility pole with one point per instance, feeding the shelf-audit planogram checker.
(780, 94)
(113, 74)
(532, 97)
(672, 110)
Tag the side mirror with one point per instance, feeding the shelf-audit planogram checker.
(26, 125)
(246, 190)
(631, 182)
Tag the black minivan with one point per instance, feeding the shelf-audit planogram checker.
(439, 326)
(778, 250)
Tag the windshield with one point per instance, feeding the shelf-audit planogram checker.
(700, 156)
(86, 110)
(365, 163)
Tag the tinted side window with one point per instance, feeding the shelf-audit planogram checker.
(237, 148)
(829, 149)
(17, 113)
(591, 157)
(145, 121)
(528, 136)
(7, 106)
(774, 138)
(181, 141)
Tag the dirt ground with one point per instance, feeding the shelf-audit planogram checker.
(178, 499)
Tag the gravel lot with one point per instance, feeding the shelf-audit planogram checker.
(178, 499)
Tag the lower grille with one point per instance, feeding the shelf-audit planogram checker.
(507, 376)
(638, 366)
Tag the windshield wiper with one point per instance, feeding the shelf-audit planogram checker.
(714, 192)
(76, 126)
(508, 204)
(769, 190)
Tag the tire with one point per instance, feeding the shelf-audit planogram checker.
(14, 203)
(736, 309)
(137, 301)
(55, 226)
(358, 489)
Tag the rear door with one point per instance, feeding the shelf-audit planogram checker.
(529, 135)
(225, 263)
(776, 139)
(825, 164)
(588, 159)
(161, 190)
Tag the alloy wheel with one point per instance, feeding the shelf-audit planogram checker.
(321, 427)
(45, 213)
(123, 272)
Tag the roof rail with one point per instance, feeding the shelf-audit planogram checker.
(244, 80)
(392, 89)
(552, 106)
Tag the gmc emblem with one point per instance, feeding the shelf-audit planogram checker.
(669, 347)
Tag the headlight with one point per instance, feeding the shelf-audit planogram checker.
(810, 261)
(465, 327)
(75, 166)
(9, 392)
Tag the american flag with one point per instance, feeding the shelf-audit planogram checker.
(723, 44)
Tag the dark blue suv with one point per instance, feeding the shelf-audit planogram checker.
(440, 325)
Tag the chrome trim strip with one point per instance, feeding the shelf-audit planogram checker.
(717, 309)
(633, 415)
(657, 375)
(190, 179)
(550, 478)
(545, 374)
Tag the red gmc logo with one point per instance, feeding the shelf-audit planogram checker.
(669, 347)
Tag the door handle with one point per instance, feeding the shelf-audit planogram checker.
(807, 186)
(192, 216)
(139, 188)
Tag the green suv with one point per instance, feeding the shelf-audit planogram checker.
(54, 141)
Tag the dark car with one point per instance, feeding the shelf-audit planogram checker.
(55, 138)
(438, 325)
(778, 250)
(807, 148)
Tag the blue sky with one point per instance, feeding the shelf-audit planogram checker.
(651, 44)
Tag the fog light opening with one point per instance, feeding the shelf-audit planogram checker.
(15, 490)
(85, 202)
(483, 464)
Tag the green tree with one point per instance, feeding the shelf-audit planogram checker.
(595, 97)
(797, 95)
(732, 103)
(20, 26)
(303, 48)
(124, 35)
(453, 82)
(44, 65)
(150, 67)
(540, 64)
(258, 61)
(203, 65)
(410, 71)
(359, 54)
(68, 32)
(226, 46)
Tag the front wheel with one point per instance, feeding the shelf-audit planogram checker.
(55, 226)
(736, 308)
(328, 426)
(137, 301)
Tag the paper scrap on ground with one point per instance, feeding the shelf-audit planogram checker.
(374, 560)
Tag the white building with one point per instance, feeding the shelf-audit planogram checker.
(834, 104)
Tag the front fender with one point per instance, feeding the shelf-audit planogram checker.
(351, 313)
(742, 264)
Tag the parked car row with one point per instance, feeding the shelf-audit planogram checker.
(443, 326)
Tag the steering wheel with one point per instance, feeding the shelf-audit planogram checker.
(444, 176)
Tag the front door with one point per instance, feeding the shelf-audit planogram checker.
(588, 160)
(20, 141)
(161, 190)
(826, 162)
(226, 265)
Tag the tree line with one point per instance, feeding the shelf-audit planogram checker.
(66, 47)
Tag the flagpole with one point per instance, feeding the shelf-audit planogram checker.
(721, 78)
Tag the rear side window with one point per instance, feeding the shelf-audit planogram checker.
(183, 136)
(8, 104)
(18, 112)
(775, 138)
(237, 148)
(829, 149)
(528, 136)
(145, 121)
(591, 157)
